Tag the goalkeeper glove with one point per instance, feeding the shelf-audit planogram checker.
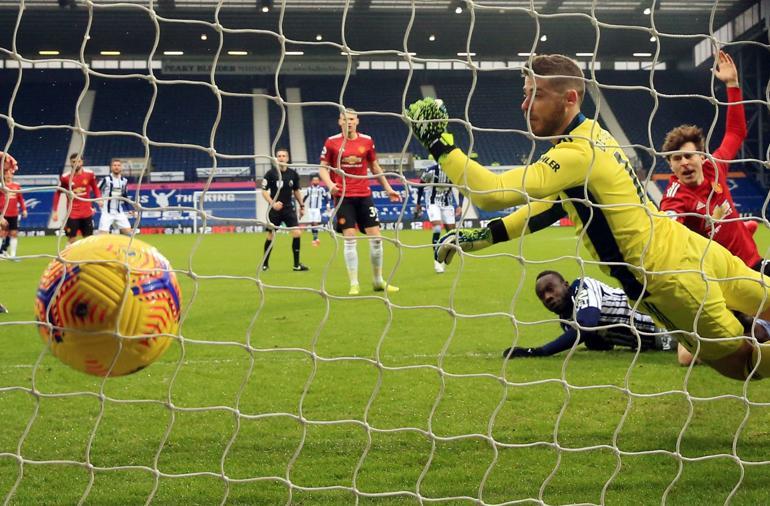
(517, 352)
(465, 239)
(472, 239)
(429, 119)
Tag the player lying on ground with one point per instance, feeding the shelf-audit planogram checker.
(666, 270)
(591, 304)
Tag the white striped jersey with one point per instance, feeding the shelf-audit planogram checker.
(440, 190)
(316, 197)
(113, 188)
(612, 303)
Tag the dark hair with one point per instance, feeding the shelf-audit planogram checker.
(549, 273)
(285, 150)
(569, 74)
(74, 156)
(681, 135)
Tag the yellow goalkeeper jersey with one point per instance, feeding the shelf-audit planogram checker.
(587, 175)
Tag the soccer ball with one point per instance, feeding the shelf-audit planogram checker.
(108, 305)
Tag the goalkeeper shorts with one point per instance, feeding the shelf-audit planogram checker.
(701, 304)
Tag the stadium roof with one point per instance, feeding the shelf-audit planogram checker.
(499, 29)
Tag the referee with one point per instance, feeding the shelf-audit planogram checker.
(280, 187)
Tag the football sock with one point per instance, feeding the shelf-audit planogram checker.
(315, 233)
(14, 244)
(375, 255)
(351, 260)
(295, 250)
(6, 242)
(436, 235)
(268, 250)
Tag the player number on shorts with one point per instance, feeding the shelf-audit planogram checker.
(372, 211)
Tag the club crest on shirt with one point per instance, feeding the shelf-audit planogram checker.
(352, 160)
(716, 187)
(361, 150)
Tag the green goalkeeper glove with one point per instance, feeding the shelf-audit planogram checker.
(472, 239)
(429, 119)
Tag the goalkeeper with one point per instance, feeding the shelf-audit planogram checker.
(602, 313)
(676, 276)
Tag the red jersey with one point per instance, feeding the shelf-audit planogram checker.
(356, 158)
(712, 197)
(84, 187)
(15, 201)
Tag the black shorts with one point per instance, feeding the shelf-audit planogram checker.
(764, 269)
(287, 215)
(13, 222)
(359, 211)
(84, 225)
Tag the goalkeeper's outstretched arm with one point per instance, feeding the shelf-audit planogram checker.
(527, 219)
(559, 169)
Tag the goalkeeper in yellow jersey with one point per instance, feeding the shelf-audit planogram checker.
(681, 279)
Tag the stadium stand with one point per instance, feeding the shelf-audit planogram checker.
(39, 101)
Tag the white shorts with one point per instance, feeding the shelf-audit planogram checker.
(108, 220)
(314, 215)
(444, 214)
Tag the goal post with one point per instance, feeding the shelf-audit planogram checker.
(233, 210)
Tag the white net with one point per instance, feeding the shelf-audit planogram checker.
(282, 388)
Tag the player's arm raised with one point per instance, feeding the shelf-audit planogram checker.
(556, 170)
(735, 126)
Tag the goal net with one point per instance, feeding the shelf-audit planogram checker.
(236, 211)
(282, 387)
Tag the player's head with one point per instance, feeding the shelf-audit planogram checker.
(348, 123)
(8, 177)
(10, 164)
(282, 158)
(116, 166)
(553, 291)
(685, 141)
(76, 162)
(553, 92)
(315, 180)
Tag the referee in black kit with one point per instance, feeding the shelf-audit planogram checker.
(280, 189)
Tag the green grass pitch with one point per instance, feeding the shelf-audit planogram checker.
(285, 389)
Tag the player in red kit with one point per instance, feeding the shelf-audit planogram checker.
(82, 183)
(11, 202)
(698, 194)
(353, 154)
(699, 184)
